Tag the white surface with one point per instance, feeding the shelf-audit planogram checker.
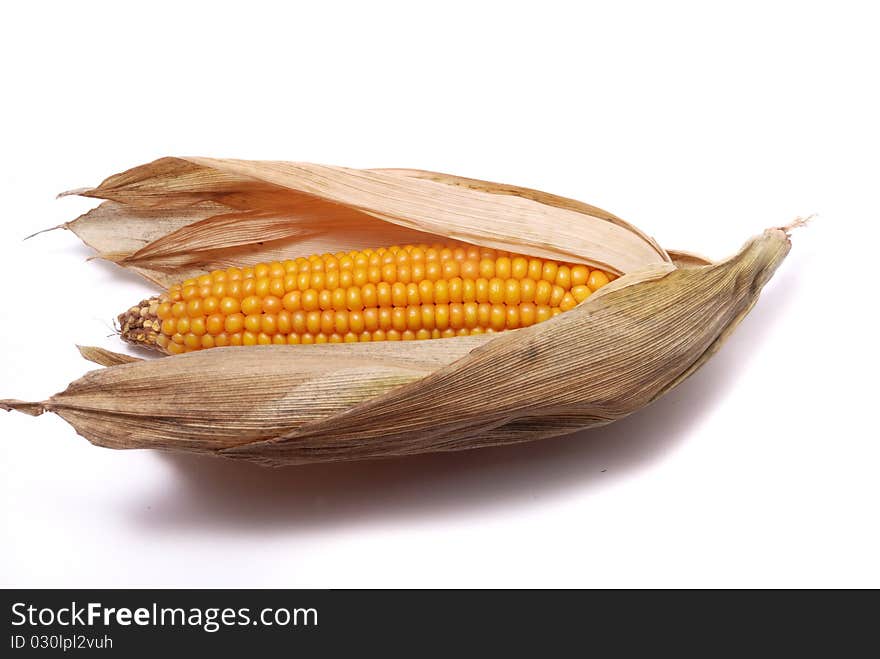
(701, 125)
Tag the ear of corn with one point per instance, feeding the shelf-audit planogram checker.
(395, 293)
(627, 343)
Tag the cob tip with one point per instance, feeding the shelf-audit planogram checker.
(140, 324)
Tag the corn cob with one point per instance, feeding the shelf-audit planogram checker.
(394, 293)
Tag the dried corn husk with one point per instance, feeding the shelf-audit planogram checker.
(175, 217)
(619, 350)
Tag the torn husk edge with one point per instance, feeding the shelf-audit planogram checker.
(613, 354)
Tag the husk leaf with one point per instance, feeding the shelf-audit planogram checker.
(613, 354)
(105, 357)
(179, 217)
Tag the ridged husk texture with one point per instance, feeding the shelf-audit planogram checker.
(623, 347)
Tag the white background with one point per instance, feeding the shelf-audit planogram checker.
(703, 124)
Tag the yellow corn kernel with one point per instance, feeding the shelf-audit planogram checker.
(581, 293)
(597, 280)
